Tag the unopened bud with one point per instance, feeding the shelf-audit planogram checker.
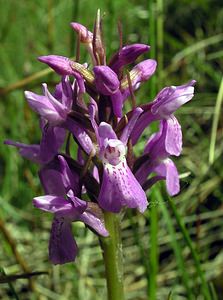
(141, 72)
(85, 35)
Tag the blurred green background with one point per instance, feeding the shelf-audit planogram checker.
(163, 258)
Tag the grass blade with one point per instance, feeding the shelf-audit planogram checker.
(12, 290)
(176, 246)
(215, 123)
(204, 284)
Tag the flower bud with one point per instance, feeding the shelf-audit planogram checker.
(141, 72)
(85, 35)
(106, 81)
(127, 55)
(60, 64)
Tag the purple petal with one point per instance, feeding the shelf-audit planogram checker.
(58, 106)
(51, 181)
(58, 91)
(173, 142)
(52, 139)
(80, 82)
(60, 64)
(141, 72)
(53, 204)
(62, 246)
(167, 141)
(159, 112)
(155, 146)
(79, 206)
(93, 218)
(92, 108)
(95, 174)
(130, 126)
(145, 70)
(80, 134)
(43, 107)
(127, 55)
(143, 121)
(120, 188)
(171, 98)
(117, 103)
(144, 171)
(70, 180)
(105, 131)
(84, 34)
(31, 152)
(80, 157)
(67, 93)
(109, 197)
(168, 170)
(106, 80)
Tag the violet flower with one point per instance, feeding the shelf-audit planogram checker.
(127, 55)
(105, 167)
(107, 82)
(63, 66)
(104, 80)
(167, 141)
(119, 187)
(140, 73)
(55, 109)
(51, 142)
(165, 104)
(67, 208)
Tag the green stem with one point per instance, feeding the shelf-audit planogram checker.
(112, 254)
(153, 255)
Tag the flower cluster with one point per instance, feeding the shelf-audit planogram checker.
(88, 105)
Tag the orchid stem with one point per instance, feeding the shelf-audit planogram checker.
(112, 254)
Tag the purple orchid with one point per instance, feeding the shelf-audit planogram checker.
(168, 141)
(56, 109)
(140, 73)
(127, 55)
(63, 202)
(63, 66)
(165, 104)
(104, 80)
(105, 167)
(107, 82)
(59, 64)
(51, 142)
(119, 187)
